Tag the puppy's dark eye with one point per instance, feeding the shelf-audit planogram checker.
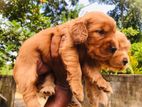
(101, 32)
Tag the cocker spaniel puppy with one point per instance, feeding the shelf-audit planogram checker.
(85, 39)
(97, 90)
(118, 61)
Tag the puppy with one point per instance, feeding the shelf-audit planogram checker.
(118, 61)
(96, 92)
(88, 37)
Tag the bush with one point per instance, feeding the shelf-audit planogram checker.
(132, 34)
(134, 66)
(136, 51)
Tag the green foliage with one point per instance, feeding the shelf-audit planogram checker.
(130, 31)
(132, 34)
(6, 70)
(134, 67)
(36, 10)
(60, 10)
(127, 13)
(17, 9)
(11, 37)
(136, 50)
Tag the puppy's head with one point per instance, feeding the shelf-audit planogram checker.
(97, 31)
(120, 58)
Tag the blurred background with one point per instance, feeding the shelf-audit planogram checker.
(20, 19)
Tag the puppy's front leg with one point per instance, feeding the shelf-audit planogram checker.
(74, 74)
(95, 95)
(90, 92)
(94, 76)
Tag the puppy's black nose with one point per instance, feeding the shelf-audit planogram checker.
(125, 61)
(113, 49)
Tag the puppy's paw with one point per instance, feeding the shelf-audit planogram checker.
(74, 103)
(104, 85)
(47, 91)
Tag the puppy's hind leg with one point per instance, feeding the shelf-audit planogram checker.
(48, 87)
(25, 78)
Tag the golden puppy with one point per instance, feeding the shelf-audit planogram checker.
(96, 92)
(118, 61)
(85, 38)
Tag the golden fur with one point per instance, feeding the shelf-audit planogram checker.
(84, 39)
(96, 94)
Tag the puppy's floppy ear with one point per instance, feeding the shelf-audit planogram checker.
(79, 32)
